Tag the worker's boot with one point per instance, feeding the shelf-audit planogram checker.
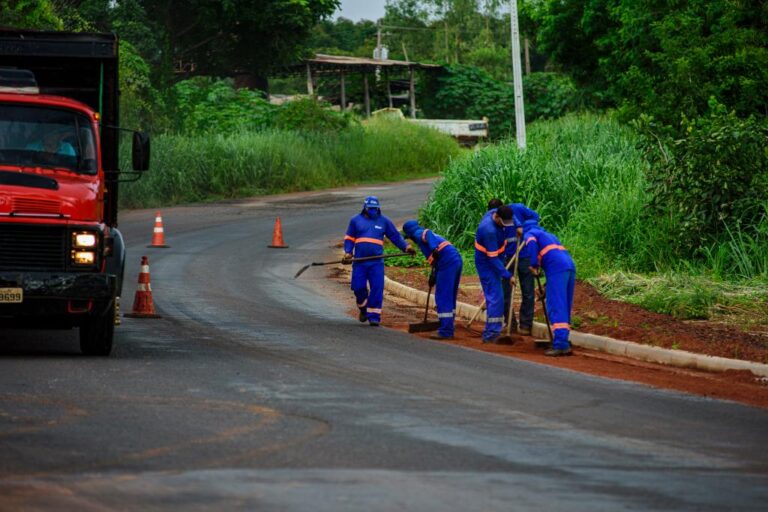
(373, 323)
(362, 316)
(559, 352)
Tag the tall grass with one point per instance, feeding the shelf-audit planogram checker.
(198, 168)
(582, 173)
(587, 178)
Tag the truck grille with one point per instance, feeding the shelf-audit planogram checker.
(25, 247)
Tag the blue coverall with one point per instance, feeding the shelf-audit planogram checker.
(546, 251)
(489, 247)
(522, 214)
(365, 236)
(447, 264)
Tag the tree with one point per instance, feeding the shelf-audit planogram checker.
(29, 14)
(236, 36)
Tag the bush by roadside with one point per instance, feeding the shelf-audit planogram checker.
(213, 166)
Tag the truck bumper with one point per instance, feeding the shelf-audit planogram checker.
(55, 299)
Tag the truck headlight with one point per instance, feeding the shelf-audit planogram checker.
(84, 240)
(83, 257)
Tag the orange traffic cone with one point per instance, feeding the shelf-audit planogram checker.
(277, 236)
(158, 235)
(142, 301)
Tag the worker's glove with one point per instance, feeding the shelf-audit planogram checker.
(347, 259)
(410, 250)
(534, 270)
(432, 278)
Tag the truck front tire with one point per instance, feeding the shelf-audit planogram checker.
(98, 333)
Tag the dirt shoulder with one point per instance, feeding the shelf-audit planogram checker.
(606, 317)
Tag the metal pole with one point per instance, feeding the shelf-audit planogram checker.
(517, 76)
(310, 85)
(367, 96)
(412, 94)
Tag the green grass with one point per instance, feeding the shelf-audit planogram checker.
(687, 296)
(586, 177)
(188, 169)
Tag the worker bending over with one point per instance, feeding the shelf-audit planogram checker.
(446, 272)
(546, 252)
(490, 241)
(521, 214)
(365, 237)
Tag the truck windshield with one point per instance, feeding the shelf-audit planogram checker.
(46, 137)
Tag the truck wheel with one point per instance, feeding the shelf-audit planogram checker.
(98, 334)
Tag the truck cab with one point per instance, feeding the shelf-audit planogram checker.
(61, 253)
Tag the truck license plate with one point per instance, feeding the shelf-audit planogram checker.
(11, 295)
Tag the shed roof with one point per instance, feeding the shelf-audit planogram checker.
(323, 64)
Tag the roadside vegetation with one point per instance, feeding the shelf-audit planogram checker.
(590, 179)
(189, 168)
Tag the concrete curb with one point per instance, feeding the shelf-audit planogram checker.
(678, 358)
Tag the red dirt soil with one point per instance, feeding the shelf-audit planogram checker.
(601, 316)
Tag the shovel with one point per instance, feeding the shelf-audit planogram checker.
(482, 304)
(367, 258)
(548, 342)
(425, 326)
(507, 339)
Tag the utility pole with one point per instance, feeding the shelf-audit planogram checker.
(517, 76)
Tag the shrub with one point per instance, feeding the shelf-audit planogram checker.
(309, 115)
(467, 92)
(714, 178)
(209, 105)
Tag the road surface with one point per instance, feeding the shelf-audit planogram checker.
(259, 392)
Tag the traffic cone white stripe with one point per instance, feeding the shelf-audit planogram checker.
(144, 287)
(159, 230)
(144, 269)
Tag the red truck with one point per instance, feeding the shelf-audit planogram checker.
(62, 257)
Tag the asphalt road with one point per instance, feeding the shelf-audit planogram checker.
(257, 392)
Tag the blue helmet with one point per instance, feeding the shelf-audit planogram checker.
(371, 202)
(410, 228)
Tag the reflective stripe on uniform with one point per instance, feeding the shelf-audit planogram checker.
(424, 235)
(561, 325)
(551, 247)
(374, 310)
(350, 238)
(363, 304)
(490, 254)
(370, 241)
(439, 248)
(495, 319)
(445, 315)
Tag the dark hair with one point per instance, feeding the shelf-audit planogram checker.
(505, 212)
(495, 203)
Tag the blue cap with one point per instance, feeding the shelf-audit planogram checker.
(410, 227)
(371, 202)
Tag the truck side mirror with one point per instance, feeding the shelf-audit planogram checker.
(140, 151)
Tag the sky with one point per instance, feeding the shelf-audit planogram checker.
(356, 10)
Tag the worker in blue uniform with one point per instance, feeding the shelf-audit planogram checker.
(521, 214)
(546, 252)
(490, 242)
(446, 272)
(365, 237)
